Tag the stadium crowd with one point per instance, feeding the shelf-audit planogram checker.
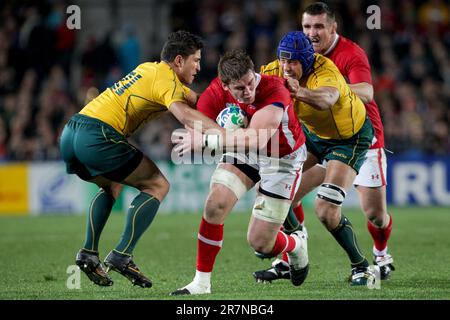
(39, 55)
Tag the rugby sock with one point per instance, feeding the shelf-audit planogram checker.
(209, 243)
(380, 237)
(98, 214)
(346, 237)
(299, 214)
(291, 223)
(140, 215)
(283, 243)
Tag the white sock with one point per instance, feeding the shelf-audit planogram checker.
(202, 278)
(379, 253)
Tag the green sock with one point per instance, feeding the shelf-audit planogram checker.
(140, 215)
(98, 214)
(291, 223)
(346, 237)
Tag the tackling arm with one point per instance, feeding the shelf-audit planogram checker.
(363, 90)
(321, 98)
(188, 116)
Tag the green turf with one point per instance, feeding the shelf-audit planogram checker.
(36, 251)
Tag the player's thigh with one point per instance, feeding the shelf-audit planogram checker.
(311, 179)
(351, 152)
(340, 174)
(102, 150)
(372, 172)
(371, 184)
(222, 195)
(281, 177)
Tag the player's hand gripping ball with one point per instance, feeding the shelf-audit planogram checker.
(232, 118)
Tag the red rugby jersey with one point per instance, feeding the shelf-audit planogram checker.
(270, 90)
(353, 63)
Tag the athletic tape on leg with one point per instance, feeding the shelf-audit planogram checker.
(271, 209)
(331, 193)
(229, 180)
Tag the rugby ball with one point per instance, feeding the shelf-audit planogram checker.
(232, 118)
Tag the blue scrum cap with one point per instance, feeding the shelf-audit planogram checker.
(295, 45)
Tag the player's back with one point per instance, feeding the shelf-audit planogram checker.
(141, 96)
(353, 63)
(344, 118)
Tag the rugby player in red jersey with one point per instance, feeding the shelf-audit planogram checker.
(269, 108)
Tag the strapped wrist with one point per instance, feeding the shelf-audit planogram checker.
(212, 141)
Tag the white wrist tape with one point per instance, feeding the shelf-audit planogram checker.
(212, 141)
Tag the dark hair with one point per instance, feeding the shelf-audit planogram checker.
(318, 8)
(180, 43)
(233, 65)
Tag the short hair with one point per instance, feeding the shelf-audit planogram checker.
(233, 65)
(318, 8)
(181, 43)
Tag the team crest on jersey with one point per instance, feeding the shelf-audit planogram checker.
(231, 105)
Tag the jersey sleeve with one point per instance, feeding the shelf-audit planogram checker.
(168, 91)
(276, 94)
(358, 68)
(210, 103)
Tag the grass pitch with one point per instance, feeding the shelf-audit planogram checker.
(35, 253)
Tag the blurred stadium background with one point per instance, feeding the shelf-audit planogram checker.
(48, 72)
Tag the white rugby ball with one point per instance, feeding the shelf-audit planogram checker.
(232, 118)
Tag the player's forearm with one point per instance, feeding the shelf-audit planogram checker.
(192, 98)
(196, 119)
(321, 99)
(241, 140)
(192, 118)
(363, 90)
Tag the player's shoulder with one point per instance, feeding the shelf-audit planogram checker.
(322, 63)
(272, 68)
(272, 87)
(214, 90)
(348, 48)
(215, 86)
(161, 69)
(271, 82)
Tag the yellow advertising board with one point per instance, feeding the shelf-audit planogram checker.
(13, 189)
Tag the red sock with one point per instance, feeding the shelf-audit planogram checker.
(380, 236)
(283, 243)
(209, 243)
(298, 211)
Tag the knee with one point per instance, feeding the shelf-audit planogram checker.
(377, 217)
(215, 210)
(113, 190)
(163, 186)
(158, 187)
(258, 244)
(326, 212)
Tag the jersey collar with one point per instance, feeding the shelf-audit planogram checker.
(333, 45)
(257, 79)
